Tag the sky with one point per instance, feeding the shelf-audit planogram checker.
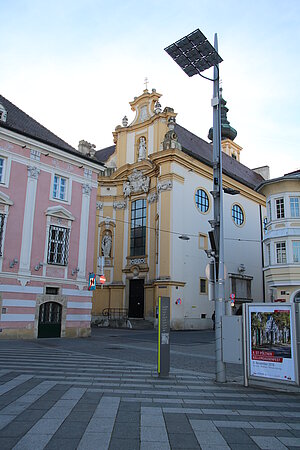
(74, 66)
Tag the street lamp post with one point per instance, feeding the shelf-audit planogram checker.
(194, 54)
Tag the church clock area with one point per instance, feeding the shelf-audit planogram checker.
(156, 188)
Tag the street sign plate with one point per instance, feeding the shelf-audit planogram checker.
(92, 282)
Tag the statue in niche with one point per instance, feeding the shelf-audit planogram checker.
(142, 149)
(106, 244)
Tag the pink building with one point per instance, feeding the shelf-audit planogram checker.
(47, 229)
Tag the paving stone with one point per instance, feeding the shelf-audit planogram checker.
(35, 441)
(15, 429)
(210, 438)
(154, 446)
(124, 444)
(99, 441)
(232, 424)
(128, 416)
(203, 425)
(290, 441)
(268, 443)
(154, 434)
(184, 441)
(252, 446)
(62, 443)
(7, 443)
(235, 436)
(71, 429)
(126, 430)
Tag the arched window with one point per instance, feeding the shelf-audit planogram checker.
(202, 200)
(138, 228)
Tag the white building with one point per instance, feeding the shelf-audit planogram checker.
(157, 188)
(282, 237)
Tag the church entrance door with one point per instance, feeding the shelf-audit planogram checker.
(136, 299)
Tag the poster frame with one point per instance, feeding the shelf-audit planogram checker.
(247, 339)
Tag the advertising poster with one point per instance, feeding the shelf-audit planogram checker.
(271, 342)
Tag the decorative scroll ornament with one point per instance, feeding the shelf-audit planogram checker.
(120, 205)
(152, 197)
(137, 183)
(33, 172)
(165, 186)
(35, 155)
(99, 205)
(86, 189)
(88, 173)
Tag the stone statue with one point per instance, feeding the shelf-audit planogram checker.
(106, 245)
(142, 149)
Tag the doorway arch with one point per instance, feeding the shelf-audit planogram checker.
(50, 314)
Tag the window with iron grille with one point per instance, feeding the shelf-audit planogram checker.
(280, 252)
(58, 246)
(60, 188)
(279, 208)
(138, 228)
(237, 215)
(2, 162)
(202, 201)
(2, 218)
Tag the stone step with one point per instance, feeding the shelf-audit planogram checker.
(140, 324)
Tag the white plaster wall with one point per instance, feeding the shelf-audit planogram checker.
(150, 139)
(130, 148)
(188, 261)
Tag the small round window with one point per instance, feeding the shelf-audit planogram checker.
(237, 215)
(202, 201)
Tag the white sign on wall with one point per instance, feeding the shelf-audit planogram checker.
(272, 350)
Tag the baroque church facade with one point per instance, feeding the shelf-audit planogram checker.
(154, 205)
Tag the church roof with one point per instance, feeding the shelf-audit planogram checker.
(103, 154)
(198, 148)
(20, 122)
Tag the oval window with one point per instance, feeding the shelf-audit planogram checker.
(237, 215)
(202, 201)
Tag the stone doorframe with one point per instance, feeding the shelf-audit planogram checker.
(44, 298)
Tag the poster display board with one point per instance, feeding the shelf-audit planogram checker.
(163, 363)
(272, 349)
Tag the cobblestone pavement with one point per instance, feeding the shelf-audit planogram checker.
(57, 398)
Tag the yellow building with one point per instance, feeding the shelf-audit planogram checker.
(153, 211)
(282, 237)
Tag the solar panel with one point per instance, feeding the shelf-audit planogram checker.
(194, 53)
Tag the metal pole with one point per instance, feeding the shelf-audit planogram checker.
(218, 221)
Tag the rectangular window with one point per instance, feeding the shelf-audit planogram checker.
(60, 188)
(203, 242)
(280, 252)
(58, 245)
(294, 203)
(2, 218)
(2, 167)
(280, 208)
(268, 255)
(296, 251)
(269, 211)
(138, 228)
(203, 286)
